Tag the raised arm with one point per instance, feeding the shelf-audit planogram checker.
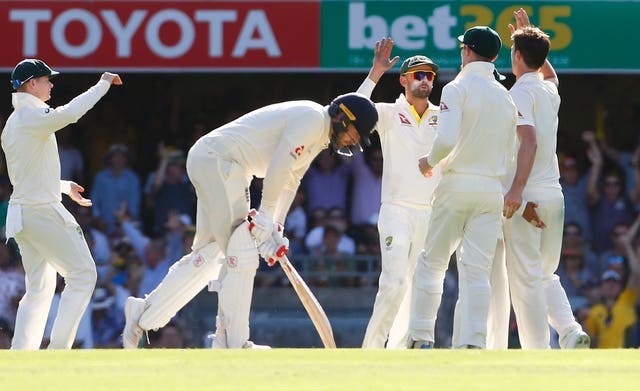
(522, 20)
(595, 156)
(382, 62)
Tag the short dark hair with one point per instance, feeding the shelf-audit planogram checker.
(533, 44)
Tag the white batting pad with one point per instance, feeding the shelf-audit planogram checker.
(184, 280)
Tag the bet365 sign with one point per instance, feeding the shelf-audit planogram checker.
(432, 27)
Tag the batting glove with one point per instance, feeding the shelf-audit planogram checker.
(275, 248)
(261, 226)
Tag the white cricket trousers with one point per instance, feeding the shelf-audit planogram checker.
(221, 187)
(466, 219)
(52, 242)
(533, 255)
(500, 305)
(402, 232)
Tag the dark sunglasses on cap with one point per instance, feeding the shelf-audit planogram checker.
(421, 75)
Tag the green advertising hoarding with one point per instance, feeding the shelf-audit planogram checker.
(586, 36)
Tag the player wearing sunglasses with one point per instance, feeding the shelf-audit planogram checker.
(407, 129)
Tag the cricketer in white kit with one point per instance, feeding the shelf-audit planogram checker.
(533, 253)
(277, 143)
(476, 134)
(407, 129)
(48, 236)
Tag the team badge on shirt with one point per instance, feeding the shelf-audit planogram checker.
(388, 241)
(198, 261)
(297, 152)
(79, 230)
(433, 120)
(404, 120)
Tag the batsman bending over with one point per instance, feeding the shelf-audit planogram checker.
(277, 143)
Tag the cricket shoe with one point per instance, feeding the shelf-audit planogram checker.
(421, 345)
(218, 341)
(133, 309)
(251, 345)
(576, 340)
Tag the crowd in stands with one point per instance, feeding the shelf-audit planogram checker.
(142, 222)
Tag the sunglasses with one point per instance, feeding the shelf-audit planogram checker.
(421, 75)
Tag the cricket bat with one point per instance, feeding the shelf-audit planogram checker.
(310, 303)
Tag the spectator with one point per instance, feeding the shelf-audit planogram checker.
(157, 254)
(572, 236)
(367, 186)
(617, 253)
(5, 192)
(326, 182)
(573, 275)
(168, 188)
(12, 285)
(114, 186)
(295, 227)
(611, 322)
(6, 334)
(71, 160)
(330, 260)
(168, 337)
(609, 205)
(107, 320)
(574, 189)
(336, 219)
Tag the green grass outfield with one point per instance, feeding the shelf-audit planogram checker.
(319, 369)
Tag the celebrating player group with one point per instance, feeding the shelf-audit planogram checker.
(476, 176)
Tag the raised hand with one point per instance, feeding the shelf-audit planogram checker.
(382, 54)
(112, 78)
(382, 60)
(522, 20)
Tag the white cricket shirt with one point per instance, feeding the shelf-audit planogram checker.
(538, 103)
(404, 139)
(30, 146)
(477, 126)
(278, 143)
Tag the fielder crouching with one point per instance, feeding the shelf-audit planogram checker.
(277, 143)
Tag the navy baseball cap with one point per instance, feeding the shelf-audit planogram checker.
(484, 41)
(30, 68)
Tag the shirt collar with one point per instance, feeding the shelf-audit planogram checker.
(24, 99)
(483, 68)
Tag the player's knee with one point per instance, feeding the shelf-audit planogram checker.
(242, 253)
(82, 278)
(393, 284)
